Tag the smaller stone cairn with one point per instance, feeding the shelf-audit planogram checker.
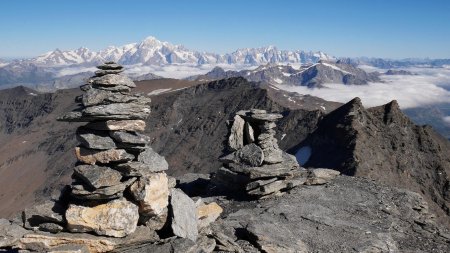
(257, 165)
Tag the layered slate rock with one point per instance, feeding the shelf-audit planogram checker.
(184, 215)
(257, 165)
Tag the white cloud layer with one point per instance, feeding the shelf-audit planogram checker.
(430, 86)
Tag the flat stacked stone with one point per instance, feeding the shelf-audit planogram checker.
(119, 180)
(257, 165)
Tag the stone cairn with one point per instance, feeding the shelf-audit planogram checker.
(257, 165)
(115, 160)
(119, 183)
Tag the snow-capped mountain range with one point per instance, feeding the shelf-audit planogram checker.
(154, 52)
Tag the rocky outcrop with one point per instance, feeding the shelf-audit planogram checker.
(383, 144)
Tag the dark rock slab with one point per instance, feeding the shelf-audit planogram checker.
(130, 137)
(113, 80)
(110, 66)
(97, 176)
(95, 139)
(117, 111)
(107, 72)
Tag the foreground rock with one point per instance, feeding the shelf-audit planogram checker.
(116, 218)
(184, 215)
(347, 215)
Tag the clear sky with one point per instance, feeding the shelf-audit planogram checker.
(380, 28)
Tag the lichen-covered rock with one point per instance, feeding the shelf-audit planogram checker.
(155, 161)
(152, 193)
(117, 218)
(250, 154)
(236, 139)
(97, 176)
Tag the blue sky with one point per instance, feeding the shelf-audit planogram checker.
(381, 28)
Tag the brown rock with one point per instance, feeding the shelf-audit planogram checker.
(89, 156)
(152, 193)
(208, 214)
(116, 125)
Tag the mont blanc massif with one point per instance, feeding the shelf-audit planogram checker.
(153, 147)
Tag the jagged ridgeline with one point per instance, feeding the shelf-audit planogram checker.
(120, 194)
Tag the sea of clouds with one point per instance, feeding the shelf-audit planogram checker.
(429, 86)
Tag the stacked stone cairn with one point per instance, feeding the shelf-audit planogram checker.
(257, 165)
(119, 183)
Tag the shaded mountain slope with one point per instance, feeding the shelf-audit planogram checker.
(383, 144)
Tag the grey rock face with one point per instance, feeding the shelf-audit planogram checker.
(153, 159)
(113, 80)
(97, 176)
(10, 233)
(184, 215)
(47, 212)
(95, 139)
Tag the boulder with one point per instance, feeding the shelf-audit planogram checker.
(89, 156)
(183, 215)
(48, 211)
(10, 233)
(236, 139)
(95, 139)
(152, 193)
(113, 80)
(208, 214)
(117, 125)
(117, 218)
(97, 176)
(153, 159)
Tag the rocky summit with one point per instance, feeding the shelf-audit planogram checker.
(119, 187)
